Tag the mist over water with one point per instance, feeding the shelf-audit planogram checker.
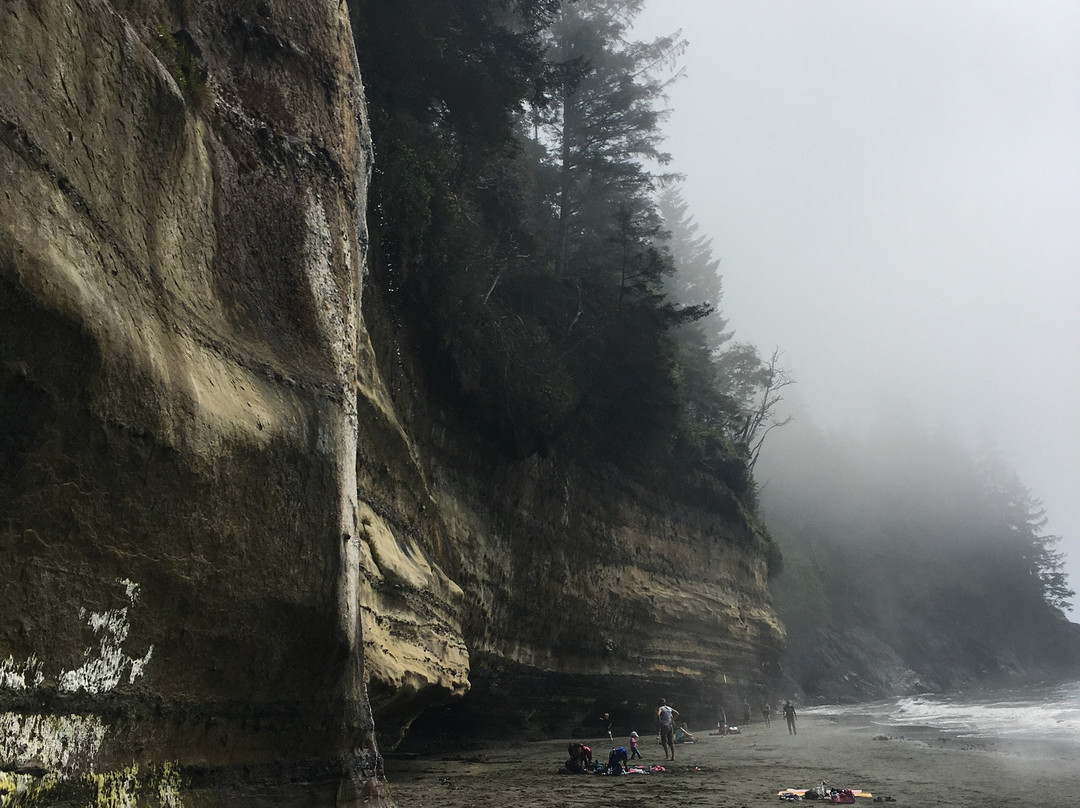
(1047, 714)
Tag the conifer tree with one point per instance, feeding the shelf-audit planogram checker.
(602, 140)
(1020, 536)
(730, 395)
(446, 82)
(603, 125)
(697, 272)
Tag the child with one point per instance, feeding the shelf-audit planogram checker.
(634, 753)
(606, 718)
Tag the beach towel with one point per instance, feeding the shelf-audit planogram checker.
(804, 793)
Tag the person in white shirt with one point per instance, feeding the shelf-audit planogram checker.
(667, 715)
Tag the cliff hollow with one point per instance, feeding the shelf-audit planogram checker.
(238, 532)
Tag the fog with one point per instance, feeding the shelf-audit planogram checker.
(893, 189)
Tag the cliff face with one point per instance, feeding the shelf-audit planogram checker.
(589, 592)
(213, 511)
(180, 255)
(576, 591)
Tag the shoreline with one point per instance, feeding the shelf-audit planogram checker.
(748, 769)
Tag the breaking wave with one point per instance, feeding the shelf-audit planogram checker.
(1041, 713)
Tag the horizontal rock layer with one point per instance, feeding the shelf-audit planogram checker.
(576, 589)
(181, 245)
(214, 512)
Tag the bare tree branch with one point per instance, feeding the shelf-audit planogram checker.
(760, 421)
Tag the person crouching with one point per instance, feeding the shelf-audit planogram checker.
(580, 760)
(616, 762)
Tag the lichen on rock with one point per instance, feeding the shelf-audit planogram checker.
(106, 665)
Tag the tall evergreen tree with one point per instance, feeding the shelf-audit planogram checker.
(602, 139)
(446, 82)
(514, 219)
(603, 126)
(1019, 533)
(730, 395)
(697, 272)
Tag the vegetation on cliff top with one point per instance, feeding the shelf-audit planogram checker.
(522, 216)
(525, 225)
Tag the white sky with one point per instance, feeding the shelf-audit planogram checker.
(893, 189)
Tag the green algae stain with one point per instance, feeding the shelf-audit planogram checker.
(119, 789)
(125, 788)
(130, 788)
(168, 787)
(25, 790)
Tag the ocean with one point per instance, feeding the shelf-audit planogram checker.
(1042, 714)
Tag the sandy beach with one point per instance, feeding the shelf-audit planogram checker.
(917, 768)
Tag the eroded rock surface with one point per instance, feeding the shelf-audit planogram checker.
(214, 512)
(181, 245)
(578, 590)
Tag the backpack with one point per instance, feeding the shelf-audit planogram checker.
(842, 796)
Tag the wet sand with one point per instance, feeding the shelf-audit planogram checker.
(918, 768)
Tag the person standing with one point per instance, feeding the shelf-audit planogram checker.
(766, 713)
(746, 712)
(667, 715)
(789, 716)
(634, 751)
(607, 720)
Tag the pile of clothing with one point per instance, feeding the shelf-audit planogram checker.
(835, 796)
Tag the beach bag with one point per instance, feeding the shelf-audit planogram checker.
(843, 796)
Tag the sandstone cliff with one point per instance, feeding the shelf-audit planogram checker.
(181, 246)
(577, 590)
(214, 511)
